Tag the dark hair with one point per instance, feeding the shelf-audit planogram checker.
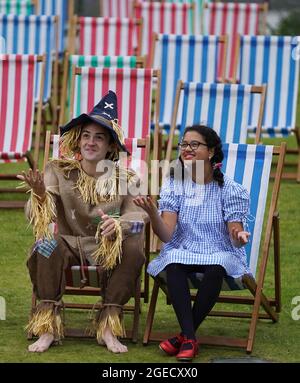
(213, 141)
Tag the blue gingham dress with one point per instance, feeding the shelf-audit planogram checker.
(201, 235)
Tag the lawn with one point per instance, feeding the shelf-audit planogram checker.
(274, 342)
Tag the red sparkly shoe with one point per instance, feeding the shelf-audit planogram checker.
(188, 350)
(171, 346)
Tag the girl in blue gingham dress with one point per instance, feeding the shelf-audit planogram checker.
(201, 223)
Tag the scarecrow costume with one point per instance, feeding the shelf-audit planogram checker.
(73, 199)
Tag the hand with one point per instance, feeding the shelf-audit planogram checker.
(241, 237)
(108, 228)
(35, 180)
(147, 204)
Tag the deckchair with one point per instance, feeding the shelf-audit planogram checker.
(105, 36)
(272, 60)
(62, 8)
(249, 165)
(134, 91)
(116, 8)
(223, 107)
(17, 85)
(199, 5)
(17, 7)
(186, 58)
(233, 19)
(162, 18)
(93, 61)
(74, 274)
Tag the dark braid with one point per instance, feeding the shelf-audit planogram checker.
(214, 142)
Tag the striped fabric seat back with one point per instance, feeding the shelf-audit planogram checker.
(56, 8)
(162, 18)
(232, 19)
(116, 8)
(134, 91)
(187, 58)
(137, 159)
(250, 166)
(198, 12)
(105, 36)
(17, 7)
(92, 273)
(224, 107)
(272, 60)
(31, 35)
(17, 84)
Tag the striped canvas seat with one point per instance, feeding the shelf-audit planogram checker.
(104, 36)
(249, 165)
(186, 58)
(233, 19)
(92, 61)
(92, 274)
(272, 60)
(62, 8)
(17, 7)
(32, 35)
(162, 18)
(116, 8)
(17, 84)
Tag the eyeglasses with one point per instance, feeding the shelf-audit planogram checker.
(194, 145)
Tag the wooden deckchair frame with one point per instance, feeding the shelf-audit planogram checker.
(140, 60)
(73, 30)
(32, 160)
(258, 298)
(93, 291)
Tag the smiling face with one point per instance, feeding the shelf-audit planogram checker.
(191, 152)
(95, 143)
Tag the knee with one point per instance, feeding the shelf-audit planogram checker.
(173, 268)
(216, 271)
(133, 250)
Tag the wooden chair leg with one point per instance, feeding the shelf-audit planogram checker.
(277, 274)
(151, 312)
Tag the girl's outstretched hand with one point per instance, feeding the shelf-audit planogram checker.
(147, 204)
(241, 237)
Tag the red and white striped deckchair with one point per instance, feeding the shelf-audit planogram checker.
(159, 17)
(116, 8)
(234, 19)
(104, 36)
(17, 103)
(134, 91)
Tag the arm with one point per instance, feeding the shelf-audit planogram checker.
(164, 225)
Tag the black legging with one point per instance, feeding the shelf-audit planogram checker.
(177, 281)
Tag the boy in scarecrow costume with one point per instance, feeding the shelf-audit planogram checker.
(96, 225)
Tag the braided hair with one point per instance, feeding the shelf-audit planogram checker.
(213, 141)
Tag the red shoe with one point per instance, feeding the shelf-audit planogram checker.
(188, 350)
(171, 346)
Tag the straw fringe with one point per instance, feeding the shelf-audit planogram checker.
(108, 254)
(114, 322)
(41, 214)
(44, 321)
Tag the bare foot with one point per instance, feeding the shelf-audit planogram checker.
(42, 344)
(112, 343)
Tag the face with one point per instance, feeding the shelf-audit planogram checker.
(94, 143)
(193, 153)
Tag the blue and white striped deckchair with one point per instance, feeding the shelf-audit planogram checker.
(223, 107)
(62, 8)
(186, 58)
(272, 60)
(93, 61)
(17, 7)
(250, 166)
(198, 13)
(32, 35)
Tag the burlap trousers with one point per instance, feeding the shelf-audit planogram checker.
(47, 275)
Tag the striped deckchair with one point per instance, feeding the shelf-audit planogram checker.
(223, 107)
(199, 4)
(162, 18)
(134, 91)
(186, 58)
(93, 61)
(105, 36)
(17, 7)
(249, 165)
(33, 35)
(116, 8)
(17, 85)
(233, 19)
(62, 8)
